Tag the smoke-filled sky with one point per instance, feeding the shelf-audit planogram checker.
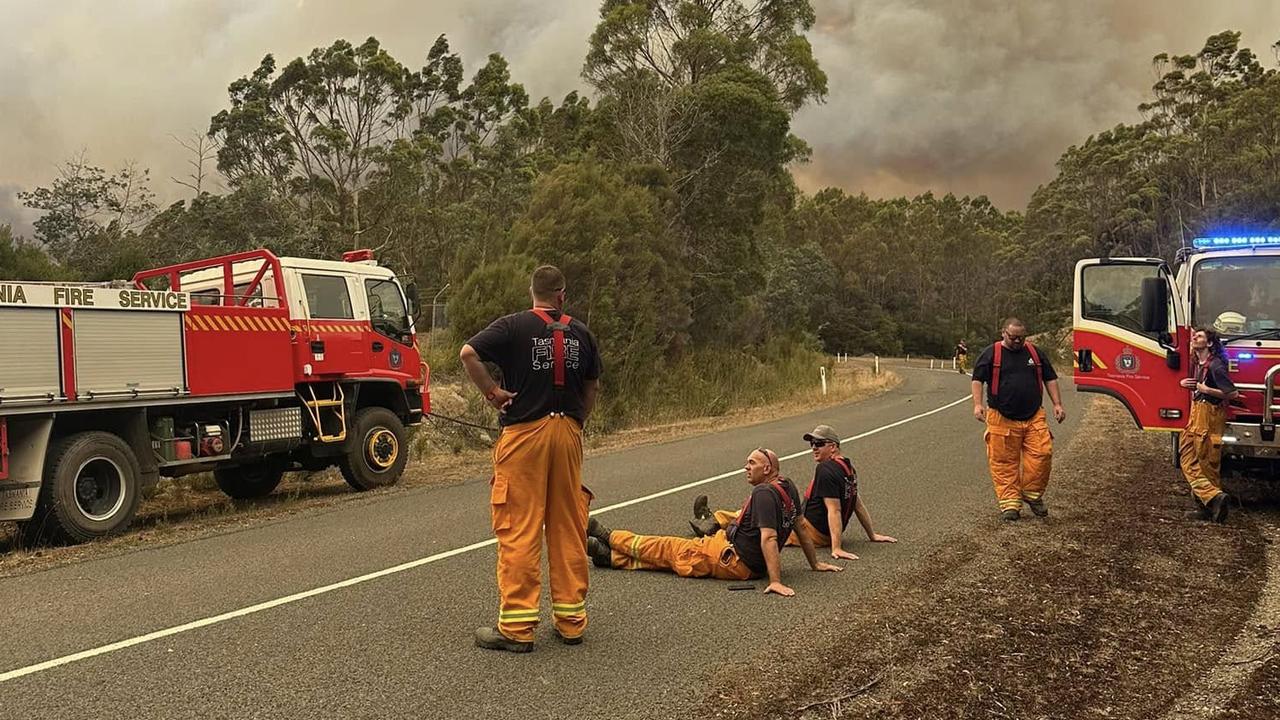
(967, 96)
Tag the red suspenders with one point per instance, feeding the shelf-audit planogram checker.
(788, 507)
(557, 328)
(995, 369)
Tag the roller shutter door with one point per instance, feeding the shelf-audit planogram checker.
(120, 351)
(29, 353)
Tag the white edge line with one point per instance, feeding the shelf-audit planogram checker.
(288, 599)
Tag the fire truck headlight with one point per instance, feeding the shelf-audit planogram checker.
(1229, 439)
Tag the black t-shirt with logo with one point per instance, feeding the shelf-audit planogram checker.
(520, 345)
(831, 481)
(767, 510)
(1020, 395)
(1216, 377)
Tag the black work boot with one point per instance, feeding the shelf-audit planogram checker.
(1200, 513)
(600, 552)
(597, 530)
(569, 640)
(1010, 515)
(490, 638)
(1218, 506)
(1037, 506)
(701, 508)
(704, 527)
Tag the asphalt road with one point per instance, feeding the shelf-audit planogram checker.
(399, 644)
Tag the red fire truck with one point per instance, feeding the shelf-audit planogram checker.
(1133, 320)
(246, 365)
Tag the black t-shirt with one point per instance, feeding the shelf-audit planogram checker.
(962, 350)
(1020, 395)
(767, 510)
(1215, 376)
(520, 345)
(830, 481)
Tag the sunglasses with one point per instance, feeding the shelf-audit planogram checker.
(1015, 338)
(815, 444)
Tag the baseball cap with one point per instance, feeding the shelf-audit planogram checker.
(822, 432)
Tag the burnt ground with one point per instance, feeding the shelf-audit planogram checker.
(1116, 606)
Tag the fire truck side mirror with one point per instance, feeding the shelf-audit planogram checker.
(411, 292)
(1155, 305)
(1172, 359)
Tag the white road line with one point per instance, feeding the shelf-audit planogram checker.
(242, 612)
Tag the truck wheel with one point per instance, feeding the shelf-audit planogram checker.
(379, 451)
(244, 482)
(90, 489)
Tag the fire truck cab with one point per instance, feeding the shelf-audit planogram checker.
(246, 365)
(1133, 319)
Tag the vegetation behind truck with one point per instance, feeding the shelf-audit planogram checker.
(1133, 319)
(246, 365)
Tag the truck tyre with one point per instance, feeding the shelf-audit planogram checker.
(245, 482)
(378, 451)
(89, 489)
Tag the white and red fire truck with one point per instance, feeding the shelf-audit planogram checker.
(1133, 320)
(246, 365)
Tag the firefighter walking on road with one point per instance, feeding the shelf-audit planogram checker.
(1019, 444)
(962, 356)
(550, 367)
(1200, 446)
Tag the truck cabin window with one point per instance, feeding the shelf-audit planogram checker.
(327, 297)
(1237, 295)
(1113, 294)
(387, 311)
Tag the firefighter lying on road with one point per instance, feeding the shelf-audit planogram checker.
(831, 500)
(749, 548)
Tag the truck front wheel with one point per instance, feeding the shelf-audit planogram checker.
(254, 480)
(379, 452)
(89, 489)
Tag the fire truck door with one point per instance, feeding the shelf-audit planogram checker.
(1128, 339)
(391, 343)
(336, 338)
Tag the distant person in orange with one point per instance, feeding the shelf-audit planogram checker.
(1200, 445)
(1019, 444)
(962, 356)
(550, 377)
(748, 547)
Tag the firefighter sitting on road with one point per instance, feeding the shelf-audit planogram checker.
(1200, 445)
(748, 548)
(831, 500)
(1019, 444)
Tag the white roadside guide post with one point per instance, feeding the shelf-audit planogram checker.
(822, 372)
(877, 364)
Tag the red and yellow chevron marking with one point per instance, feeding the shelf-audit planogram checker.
(235, 323)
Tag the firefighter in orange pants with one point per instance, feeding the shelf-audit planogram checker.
(550, 368)
(1019, 444)
(1200, 446)
(749, 547)
(831, 500)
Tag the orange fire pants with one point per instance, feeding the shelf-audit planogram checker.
(1200, 450)
(537, 483)
(710, 556)
(725, 517)
(1020, 455)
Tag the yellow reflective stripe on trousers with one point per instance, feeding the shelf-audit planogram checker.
(635, 551)
(516, 615)
(568, 610)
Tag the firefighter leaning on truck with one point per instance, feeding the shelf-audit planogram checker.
(550, 368)
(1019, 444)
(1200, 445)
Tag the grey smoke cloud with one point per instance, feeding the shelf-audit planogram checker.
(970, 96)
(982, 96)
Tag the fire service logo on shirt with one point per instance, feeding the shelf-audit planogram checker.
(1127, 361)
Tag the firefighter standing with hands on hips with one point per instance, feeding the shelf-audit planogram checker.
(550, 378)
(748, 547)
(1200, 446)
(1019, 444)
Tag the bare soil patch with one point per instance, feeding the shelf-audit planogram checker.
(188, 508)
(1113, 607)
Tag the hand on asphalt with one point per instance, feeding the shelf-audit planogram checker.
(827, 567)
(779, 588)
(843, 555)
(883, 538)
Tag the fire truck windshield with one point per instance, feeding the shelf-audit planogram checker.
(1237, 295)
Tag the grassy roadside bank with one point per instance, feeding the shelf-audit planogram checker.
(178, 511)
(1115, 606)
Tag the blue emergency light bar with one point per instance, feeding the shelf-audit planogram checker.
(1209, 243)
